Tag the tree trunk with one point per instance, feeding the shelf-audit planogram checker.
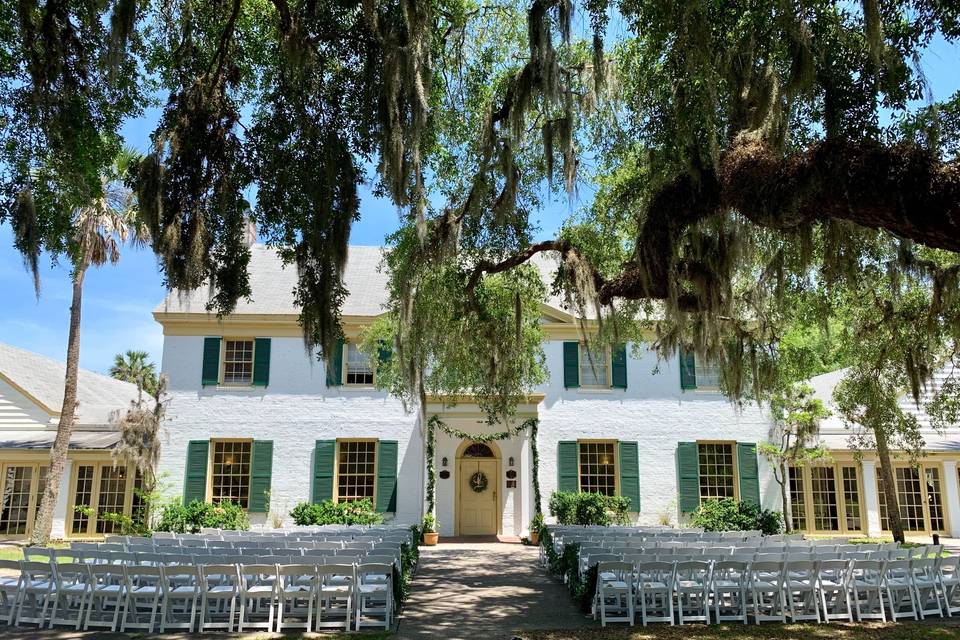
(889, 486)
(784, 481)
(61, 445)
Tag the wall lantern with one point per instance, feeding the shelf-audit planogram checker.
(443, 461)
(510, 461)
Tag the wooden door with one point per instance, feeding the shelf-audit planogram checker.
(478, 512)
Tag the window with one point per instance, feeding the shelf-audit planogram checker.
(112, 496)
(851, 498)
(98, 488)
(593, 367)
(708, 375)
(824, 493)
(82, 497)
(359, 370)
(15, 515)
(356, 469)
(230, 477)
(238, 362)
(598, 468)
(716, 471)
(920, 497)
(798, 502)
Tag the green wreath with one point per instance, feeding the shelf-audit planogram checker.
(478, 482)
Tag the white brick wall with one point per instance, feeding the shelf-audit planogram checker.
(297, 409)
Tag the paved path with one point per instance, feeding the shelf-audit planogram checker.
(485, 591)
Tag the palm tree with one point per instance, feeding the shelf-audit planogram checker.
(133, 366)
(99, 230)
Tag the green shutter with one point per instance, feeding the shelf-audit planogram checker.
(571, 364)
(688, 476)
(688, 370)
(568, 466)
(261, 362)
(335, 366)
(195, 472)
(324, 456)
(211, 362)
(261, 470)
(749, 476)
(387, 476)
(619, 366)
(384, 355)
(630, 474)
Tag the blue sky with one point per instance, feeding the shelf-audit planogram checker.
(118, 300)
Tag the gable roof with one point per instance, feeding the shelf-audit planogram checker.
(41, 379)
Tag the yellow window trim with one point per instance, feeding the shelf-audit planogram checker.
(924, 499)
(33, 503)
(336, 466)
(616, 461)
(98, 464)
(806, 481)
(736, 464)
(223, 360)
(344, 362)
(210, 452)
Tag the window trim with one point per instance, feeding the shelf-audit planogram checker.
(736, 466)
(223, 361)
(616, 461)
(807, 485)
(33, 503)
(609, 376)
(336, 466)
(208, 497)
(924, 499)
(97, 463)
(344, 367)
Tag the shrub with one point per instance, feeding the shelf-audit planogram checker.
(588, 508)
(190, 518)
(731, 515)
(329, 512)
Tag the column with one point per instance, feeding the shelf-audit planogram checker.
(871, 498)
(61, 517)
(952, 496)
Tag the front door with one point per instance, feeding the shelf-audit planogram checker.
(478, 496)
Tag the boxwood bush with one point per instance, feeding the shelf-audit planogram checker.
(731, 515)
(588, 508)
(330, 512)
(180, 518)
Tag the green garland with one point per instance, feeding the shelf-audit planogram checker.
(435, 423)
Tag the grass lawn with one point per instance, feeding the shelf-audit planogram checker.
(936, 630)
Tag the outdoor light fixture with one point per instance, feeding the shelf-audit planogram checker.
(443, 461)
(510, 461)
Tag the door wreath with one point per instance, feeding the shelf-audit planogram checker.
(478, 482)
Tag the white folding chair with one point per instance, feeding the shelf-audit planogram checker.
(926, 587)
(948, 576)
(335, 596)
(800, 582)
(728, 591)
(374, 594)
(898, 585)
(181, 593)
(72, 594)
(654, 586)
(296, 593)
(692, 586)
(11, 581)
(866, 582)
(767, 591)
(614, 595)
(833, 586)
(106, 596)
(219, 591)
(258, 590)
(143, 591)
(36, 592)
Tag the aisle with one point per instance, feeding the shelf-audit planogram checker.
(484, 591)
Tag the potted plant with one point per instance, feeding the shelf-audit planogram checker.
(536, 525)
(430, 535)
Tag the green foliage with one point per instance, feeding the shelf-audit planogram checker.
(429, 523)
(589, 508)
(537, 525)
(732, 515)
(190, 518)
(134, 367)
(356, 512)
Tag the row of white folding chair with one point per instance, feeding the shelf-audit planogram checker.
(800, 590)
(155, 559)
(104, 596)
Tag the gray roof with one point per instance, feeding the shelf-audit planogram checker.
(272, 284)
(41, 377)
(44, 439)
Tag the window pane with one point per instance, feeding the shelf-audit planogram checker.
(359, 370)
(82, 498)
(598, 469)
(15, 511)
(824, 496)
(356, 470)
(230, 479)
(238, 362)
(112, 496)
(716, 470)
(797, 499)
(851, 498)
(593, 367)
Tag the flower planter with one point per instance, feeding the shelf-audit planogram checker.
(534, 537)
(430, 538)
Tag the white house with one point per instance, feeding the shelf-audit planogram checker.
(31, 395)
